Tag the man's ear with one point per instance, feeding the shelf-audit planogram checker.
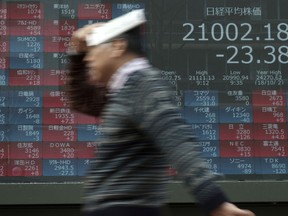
(119, 47)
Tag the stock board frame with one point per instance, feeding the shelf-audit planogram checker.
(70, 193)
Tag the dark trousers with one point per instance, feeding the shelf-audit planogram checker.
(127, 211)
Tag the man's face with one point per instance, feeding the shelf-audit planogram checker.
(99, 62)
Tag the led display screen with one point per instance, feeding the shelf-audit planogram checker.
(226, 59)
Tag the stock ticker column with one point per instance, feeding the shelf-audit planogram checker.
(60, 132)
(4, 50)
(23, 113)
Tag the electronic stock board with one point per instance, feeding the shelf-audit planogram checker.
(226, 59)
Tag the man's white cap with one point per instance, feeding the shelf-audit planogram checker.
(116, 27)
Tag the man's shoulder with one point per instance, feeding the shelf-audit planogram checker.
(148, 76)
(147, 73)
(148, 80)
